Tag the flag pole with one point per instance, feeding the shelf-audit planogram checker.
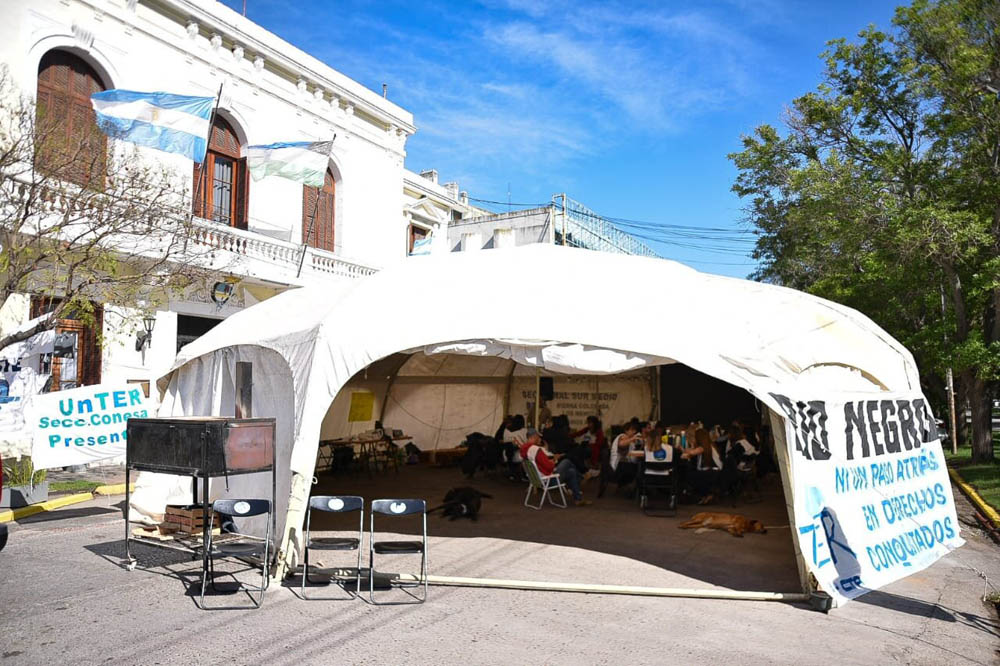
(200, 185)
(312, 217)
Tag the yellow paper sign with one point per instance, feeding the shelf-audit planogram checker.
(362, 404)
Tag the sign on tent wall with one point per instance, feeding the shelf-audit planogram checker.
(872, 501)
(614, 399)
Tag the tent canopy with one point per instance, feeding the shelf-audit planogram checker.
(561, 309)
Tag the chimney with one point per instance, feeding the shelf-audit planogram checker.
(431, 175)
(452, 189)
(464, 197)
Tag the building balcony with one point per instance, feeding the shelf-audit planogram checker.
(256, 255)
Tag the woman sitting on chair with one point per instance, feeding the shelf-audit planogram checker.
(708, 466)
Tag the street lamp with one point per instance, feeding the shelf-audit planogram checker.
(144, 337)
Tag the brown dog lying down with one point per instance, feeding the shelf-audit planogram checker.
(733, 523)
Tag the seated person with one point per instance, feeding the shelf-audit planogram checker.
(708, 465)
(592, 435)
(557, 436)
(740, 456)
(514, 435)
(534, 450)
(658, 458)
(624, 450)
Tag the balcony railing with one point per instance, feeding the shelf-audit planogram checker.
(280, 254)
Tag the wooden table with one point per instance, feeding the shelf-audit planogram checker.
(367, 450)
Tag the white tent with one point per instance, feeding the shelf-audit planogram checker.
(819, 366)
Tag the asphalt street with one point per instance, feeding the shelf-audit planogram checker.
(65, 598)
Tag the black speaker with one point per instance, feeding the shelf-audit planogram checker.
(545, 388)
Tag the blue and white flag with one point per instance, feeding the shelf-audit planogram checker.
(421, 246)
(302, 161)
(173, 123)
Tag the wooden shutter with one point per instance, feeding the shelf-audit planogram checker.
(199, 187)
(242, 187)
(322, 236)
(74, 147)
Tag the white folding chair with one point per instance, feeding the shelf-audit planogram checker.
(543, 483)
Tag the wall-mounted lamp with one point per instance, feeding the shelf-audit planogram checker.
(144, 337)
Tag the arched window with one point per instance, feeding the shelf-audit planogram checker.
(220, 190)
(70, 145)
(321, 202)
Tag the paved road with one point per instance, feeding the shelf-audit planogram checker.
(64, 598)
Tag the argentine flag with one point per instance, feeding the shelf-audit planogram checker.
(302, 161)
(173, 123)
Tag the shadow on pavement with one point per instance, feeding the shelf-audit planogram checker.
(895, 602)
(67, 514)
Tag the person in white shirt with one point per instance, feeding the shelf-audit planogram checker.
(625, 448)
(740, 457)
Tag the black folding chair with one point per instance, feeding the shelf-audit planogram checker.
(398, 507)
(655, 475)
(244, 546)
(334, 504)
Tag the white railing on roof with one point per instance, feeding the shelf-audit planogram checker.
(589, 230)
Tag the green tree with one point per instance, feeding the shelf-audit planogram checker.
(884, 192)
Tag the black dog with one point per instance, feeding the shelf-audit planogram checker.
(462, 502)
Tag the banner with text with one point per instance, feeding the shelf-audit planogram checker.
(82, 425)
(873, 501)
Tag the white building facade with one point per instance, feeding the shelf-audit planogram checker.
(370, 213)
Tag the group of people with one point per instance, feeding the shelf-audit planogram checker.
(557, 449)
(706, 462)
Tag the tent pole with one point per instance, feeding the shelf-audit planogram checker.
(538, 397)
(506, 395)
(794, 597)
(659, 394)
(785, 472)
(654, 394)
(388, 390)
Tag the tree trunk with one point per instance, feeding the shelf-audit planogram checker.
(981, 401)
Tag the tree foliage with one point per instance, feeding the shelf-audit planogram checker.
(82, 225)
(883, 192)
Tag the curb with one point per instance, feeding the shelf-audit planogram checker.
(8, 515)
(114, 489)
(970, 492)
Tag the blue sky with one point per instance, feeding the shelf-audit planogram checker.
(630, 108)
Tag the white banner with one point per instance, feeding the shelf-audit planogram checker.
(82, 425)
(872, 497)
(21, 378)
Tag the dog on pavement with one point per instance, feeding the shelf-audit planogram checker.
(733, 523)
(464, 502)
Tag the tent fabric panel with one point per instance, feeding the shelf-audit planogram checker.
(422, 365)
(206, 387)
(441, 415)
